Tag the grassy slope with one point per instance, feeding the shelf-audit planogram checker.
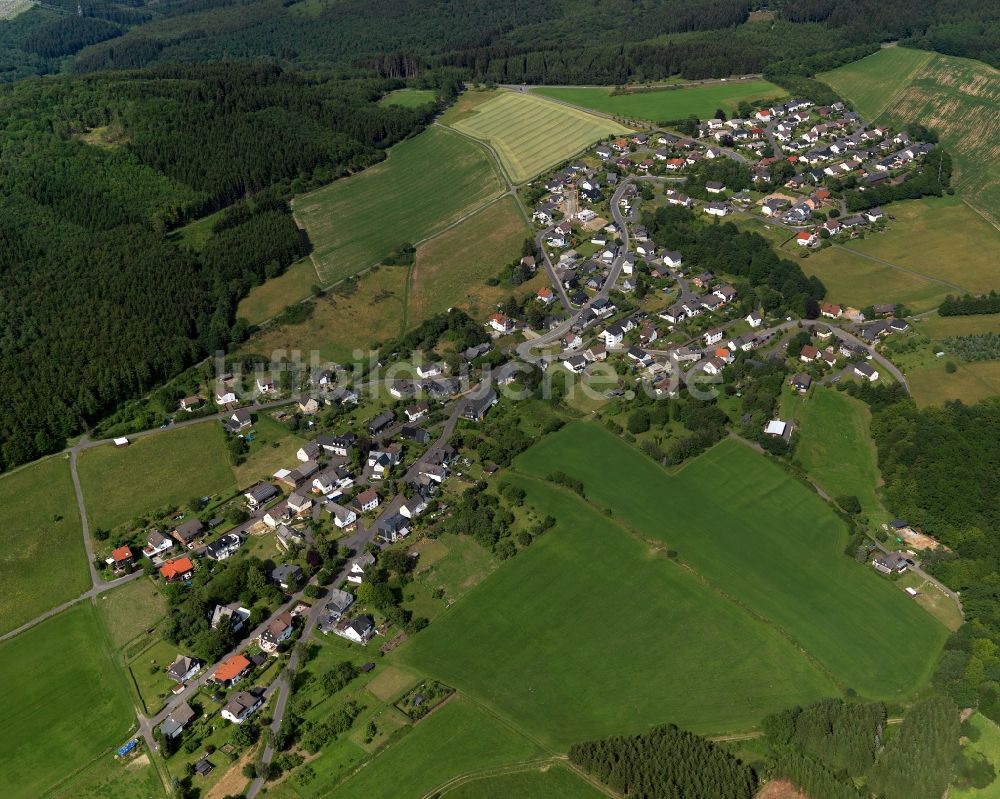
(940, 237)
(544, 783)
(56, 725)
(42, 563)
(555, 642)
(426, 183)
(766, 540)
(408, 98)
(111, 779)
(956, 96)
(851, 279)
(455, 739)
(531, 134)
(701, 101)
(164, 469)
(835, 446)
(341, 322)
(273, 296)
(451, 269)
(132, 609)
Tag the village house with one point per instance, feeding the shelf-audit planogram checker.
(183, 668)
(242, 706)
(367, 500)
(223, 547)
(122, 558)
(278, 631)
(239, 420)
(890, 563)
(866, 371)
(178, 569)
(287, 576)
(175, 722)
(234, 614)
(359, 630)
(156, 544)
(359, 565)
(476, 408)
(231, 671)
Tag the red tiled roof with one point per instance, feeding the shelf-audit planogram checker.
(176, 568)
(231, 668)
(122, 553)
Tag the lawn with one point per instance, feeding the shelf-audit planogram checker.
(455, 739)
(273, 296)
(66, 702)
(591, 632)
(957, 97)
(108, 778)
(852, 279)
(981, 738)
(835, 446)
(531, 134)
(273, 447)
(668, 104)
(196, 234)
(939, 327)
(451, 269)
(164, 469)
(131, 610)
(43, 562)
(765, 540)
(541, 782)
(426, 183)
(940, 237)
(408, 98)
(149, 675)
(345, 319)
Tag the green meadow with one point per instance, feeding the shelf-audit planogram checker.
(425, 184)
(666, 104)
(43, 562)
(766, 541)
(167, 468)
(56, 726)
(408, 98)
(591, 632)
(544, 782)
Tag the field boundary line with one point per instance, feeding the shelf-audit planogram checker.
(901, 268)
(981, 213)
(516, 767)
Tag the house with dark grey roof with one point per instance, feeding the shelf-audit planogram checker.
(383, 421)
(224, 546)
(476, 408)
(260, 495)
(393, 528)
(183, 668)
(175, 722)
(359, 630)
(287, 575)
(188, 531)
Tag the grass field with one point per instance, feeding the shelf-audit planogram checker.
(531, 134)
(110, 779)
(151, 680)
(971, 382)
(273, 447)
(408, 98)
(43, 562)
(553, 643)
(168, 468)
(455, 739)
(451, 269)
(939, 327)
(273, 296)
(981, 745)
(835, 446)
(426, 183)
(342, 322)
(852, 279)
(956, 96)
(66, 702)
(542, 782)
(940, 237)
(669, 104)
(767, 541)
(132, 609)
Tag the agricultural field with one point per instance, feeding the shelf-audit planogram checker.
(981, 756)
(668, 104)
(955, 96)
(542, 642)
(941, 238)
(108, 778)
(43, 562)
(408, 98)
(835, 446)
(272, 296)
(541, 782)
(970, 383)
(451, 269)
(77, 713)
(872, 83)
(455, 739)
(426, 184)
(155, 471)
(131, 610)
(531, 134)
(852, 279)
(939, 327)
(765, 540)
(273, 446)
(349, 317)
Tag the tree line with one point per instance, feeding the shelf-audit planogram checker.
(970, 305)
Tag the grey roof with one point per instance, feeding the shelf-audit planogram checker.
(339, 601)
(262, 492)
(189, 529)
(286, 572)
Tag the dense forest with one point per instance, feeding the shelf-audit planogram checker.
(664, 763)
(775, 284)
(555, 41)
(97, 302)
(970, 305)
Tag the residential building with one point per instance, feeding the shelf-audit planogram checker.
(183, 669)
(242, 706)
(178, 569)
(231, 671)
(359, 630)
(224, 546)
(278, 631)
(287, 575)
